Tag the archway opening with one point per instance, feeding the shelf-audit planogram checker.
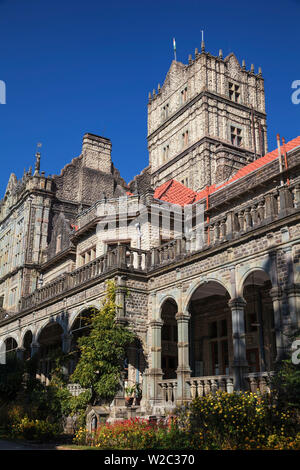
(50, 341)
(259, 322)
(27, 345)
(134, 367)
(81, 327)
(11, 347)
(169, 339)
(210, 331)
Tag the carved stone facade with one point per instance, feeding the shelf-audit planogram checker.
(209, 280)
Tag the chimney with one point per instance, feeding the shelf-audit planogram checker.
(96, 152)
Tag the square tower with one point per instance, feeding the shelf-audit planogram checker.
(206, 121)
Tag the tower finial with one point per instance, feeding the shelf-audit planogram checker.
(37, 160)
(37, 163)
(221, 54)
(243, 64)
(252, 68)
(259, 71)
(202, 42)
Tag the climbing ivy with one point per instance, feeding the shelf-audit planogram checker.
(103, 352)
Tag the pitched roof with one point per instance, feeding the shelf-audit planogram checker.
(176, 193)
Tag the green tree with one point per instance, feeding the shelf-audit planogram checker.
(286, 383)
(103, 352)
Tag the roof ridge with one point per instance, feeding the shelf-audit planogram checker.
(168, 185)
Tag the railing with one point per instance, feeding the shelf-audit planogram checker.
(168, 391)
(230, 225)
(120, 257)
(259, 381)
(202, 386)
(75, 389)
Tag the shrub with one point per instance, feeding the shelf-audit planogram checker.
(234, 421)
(41, 430)
(135, 434)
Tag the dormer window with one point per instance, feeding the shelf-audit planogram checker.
(234, 92)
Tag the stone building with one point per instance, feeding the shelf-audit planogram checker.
(204, 244)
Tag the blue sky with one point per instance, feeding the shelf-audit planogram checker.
(73, 66)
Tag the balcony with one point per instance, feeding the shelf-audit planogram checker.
(273, 207)
(256, 382)
(120, 258)
(229, 226)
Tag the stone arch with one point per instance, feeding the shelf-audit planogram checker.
(4, 344)
(24, 332)
(243, 273)
(210, 329)
(74, 315)
(27, 339)
(260, 329)
(203, 282)
(169, 337)
(59, 319)
(78, 327)
(49, 338)
(165, 298)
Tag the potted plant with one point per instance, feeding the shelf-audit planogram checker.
(129, 394)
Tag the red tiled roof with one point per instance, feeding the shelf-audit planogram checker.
(176, 193)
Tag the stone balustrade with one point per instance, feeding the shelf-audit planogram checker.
(256, 382)
(75, 389)
(229, 225)
(259, 381)
(202, 386)
(168, 391)
(120, 257)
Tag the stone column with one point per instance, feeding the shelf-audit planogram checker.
(292, 290)
(240, 365)
(121, 291)
(66, 340)
(183, 369)
(155, 373)
(34, 348)
(20, 353)
(293, 295)
(285, 201)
